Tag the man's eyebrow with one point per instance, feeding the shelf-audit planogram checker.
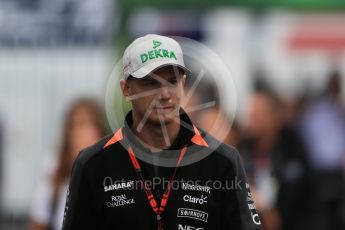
(159, 79)
(149, 79)
(168, 81)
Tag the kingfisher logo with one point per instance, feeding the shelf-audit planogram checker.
(187, 227)
(196, 187)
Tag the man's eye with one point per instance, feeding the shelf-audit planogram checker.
(174, 81)
(150, 83)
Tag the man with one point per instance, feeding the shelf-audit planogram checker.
(158, 171)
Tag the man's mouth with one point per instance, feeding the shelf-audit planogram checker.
(163, 109)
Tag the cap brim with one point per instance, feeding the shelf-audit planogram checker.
(146, 70)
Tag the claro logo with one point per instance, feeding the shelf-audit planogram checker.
(195, 200)
(187, 227)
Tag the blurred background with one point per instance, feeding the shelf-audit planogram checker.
(287, 60)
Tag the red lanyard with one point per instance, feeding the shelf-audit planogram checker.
(158, 210)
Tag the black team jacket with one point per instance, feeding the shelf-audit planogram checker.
(212, 193)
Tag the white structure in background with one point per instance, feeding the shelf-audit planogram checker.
(299, 50)
(228, 33)
(36, 87)
(51, 22)
(38, 83)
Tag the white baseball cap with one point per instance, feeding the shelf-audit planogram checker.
(151, 52)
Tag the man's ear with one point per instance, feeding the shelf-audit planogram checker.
(184, 79)
(125, 88)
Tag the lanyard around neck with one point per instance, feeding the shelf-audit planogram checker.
(158, 210)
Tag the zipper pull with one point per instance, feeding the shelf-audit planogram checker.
(159, 222)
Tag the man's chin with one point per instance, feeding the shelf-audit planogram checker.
(163, 118)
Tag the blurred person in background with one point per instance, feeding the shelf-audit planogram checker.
(207, 120)
(323, 130)
(82, 127)
(276, 164)
(207, 114)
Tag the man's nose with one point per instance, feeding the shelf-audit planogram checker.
(165, 93)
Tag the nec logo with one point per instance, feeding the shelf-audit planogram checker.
(187, 227)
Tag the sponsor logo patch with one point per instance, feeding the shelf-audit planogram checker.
(192, 213)
(195, 200)
(187, 227)
(251, 207)
(196, 187)
(121, 200)
(117, 186)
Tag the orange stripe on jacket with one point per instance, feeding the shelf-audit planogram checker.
(117, 137)
(197, 138)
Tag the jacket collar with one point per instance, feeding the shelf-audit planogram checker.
(187, 135)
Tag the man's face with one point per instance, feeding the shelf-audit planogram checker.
(156, 98)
